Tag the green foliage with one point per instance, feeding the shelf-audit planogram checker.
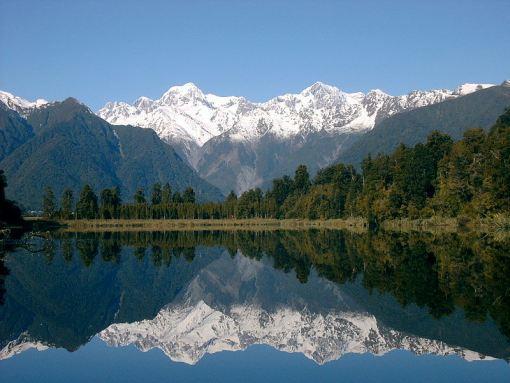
(189, 195)
(87, 207)
(157, 194)
(67, 204)
(49, 205)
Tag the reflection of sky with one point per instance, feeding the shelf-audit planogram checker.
(96, 362)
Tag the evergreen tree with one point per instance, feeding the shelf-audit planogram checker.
(87, 207)
(106, 204)
(3, 185)
(116, 202)
(157, 196)
(49, 204)
(189, 195)
(301, 179)
(67, 204)
(166, 194)
(139, 197)
(177, 197)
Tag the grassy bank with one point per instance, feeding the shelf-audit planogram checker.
(499, 224)
(254, 224)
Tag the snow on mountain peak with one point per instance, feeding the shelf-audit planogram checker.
(185, 116)
(19, 104)
(319, 89)
(468, 88)
(143, 102)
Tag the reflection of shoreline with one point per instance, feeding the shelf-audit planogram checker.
(210, 224)
(497, 225)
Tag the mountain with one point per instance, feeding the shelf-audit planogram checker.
(19, 104)
(453, 116)
(238, 144)
(65, 145)
(236, 303)
(14, 131)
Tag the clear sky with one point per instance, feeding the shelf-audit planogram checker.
(105, 50)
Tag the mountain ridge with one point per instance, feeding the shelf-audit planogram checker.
(70, 146)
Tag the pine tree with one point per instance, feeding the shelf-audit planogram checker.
(49, 205)
(166, 194)
(157, 196)
(177, 197)
(3, 185)
(67, 204)
(301, 179)
(87, 208)
(189, 195)
(139, 197)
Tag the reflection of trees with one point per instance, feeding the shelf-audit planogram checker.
(4, 271)
(437, 272)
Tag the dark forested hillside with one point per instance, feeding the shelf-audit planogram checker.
(476, 110)
(71, 146)
(14, 131)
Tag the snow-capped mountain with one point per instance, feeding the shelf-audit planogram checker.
(187, 333)
(190, 328)
(20, 105)
(185, 113)
(21, 344)
(223, 137)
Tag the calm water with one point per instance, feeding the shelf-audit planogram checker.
(276, 306)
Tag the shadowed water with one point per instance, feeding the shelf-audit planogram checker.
(311, 303)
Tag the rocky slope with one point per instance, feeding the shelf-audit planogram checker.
(238, 144)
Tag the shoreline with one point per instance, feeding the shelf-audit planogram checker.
(249, 224)
(498, 224)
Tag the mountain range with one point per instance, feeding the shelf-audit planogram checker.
(236, 144)
(65, 145)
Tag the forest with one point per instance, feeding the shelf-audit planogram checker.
(470, 177)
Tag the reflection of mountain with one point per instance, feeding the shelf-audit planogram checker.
(249, 309)
(184, 293)
(63, 303)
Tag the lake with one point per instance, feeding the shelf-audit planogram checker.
(271, 306)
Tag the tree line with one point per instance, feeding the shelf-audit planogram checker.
(439, 177)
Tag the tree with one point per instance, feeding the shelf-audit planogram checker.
(189, 195)
(87, 208)
(3, 185)
(49, 205)
(106, 210)
(177, 197)
(67, 204)
(116, 201)
(301, 179)
(166, 194)
(157, 196)
(9, 212)
(139, 197)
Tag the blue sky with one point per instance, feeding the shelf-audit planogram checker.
(105, 50)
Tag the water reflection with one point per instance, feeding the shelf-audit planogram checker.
(319, 293)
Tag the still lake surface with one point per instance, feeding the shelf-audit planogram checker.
(255, 306)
